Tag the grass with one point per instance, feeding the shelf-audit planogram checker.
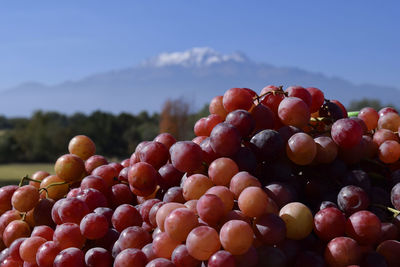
(13, 172)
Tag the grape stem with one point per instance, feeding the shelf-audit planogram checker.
(353, 113)
(392, 210)
(274, 92)
(26, 177)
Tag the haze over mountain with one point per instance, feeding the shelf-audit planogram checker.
(197, 75)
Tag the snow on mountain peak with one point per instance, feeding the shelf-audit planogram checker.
(197, 56)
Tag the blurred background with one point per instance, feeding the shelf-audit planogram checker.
(122, 71)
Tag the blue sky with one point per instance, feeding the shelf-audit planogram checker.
(53, 41)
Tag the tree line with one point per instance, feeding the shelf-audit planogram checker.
(45, 135)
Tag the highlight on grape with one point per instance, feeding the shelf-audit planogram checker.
(275, 178)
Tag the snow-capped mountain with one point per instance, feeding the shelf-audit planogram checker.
(197, 75)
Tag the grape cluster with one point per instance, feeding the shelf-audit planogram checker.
(280, 178)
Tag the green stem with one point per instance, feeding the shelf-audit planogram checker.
(26, 177)
(353, 113)
(392, 210)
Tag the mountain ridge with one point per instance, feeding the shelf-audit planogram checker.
(197, 78)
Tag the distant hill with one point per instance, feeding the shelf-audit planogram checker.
(197, 75)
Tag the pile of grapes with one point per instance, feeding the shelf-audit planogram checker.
(283, 178)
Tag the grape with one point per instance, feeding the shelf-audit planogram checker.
(269, 144)
(342, 251)
(43, 231)
(121, 194)
(327, 150)
(186, 156)
(108, 240)
(209, 123)
(390, 121)
(94, 226)
(389, 151)
(134, 237)
(341, 107)
(148, 251)
(174, 194)
(210, 209)
(179, 223)
(224, 194)
(370, 117)
(357, 178)
(29, 247)
(146, 207)
(390, 249)
(383, 135)
(202, 242)
(154, 153)
(164, 211)
(298, 219)
(164, 245)
(242, 120)
(13, 249)
(270, 229)
(273, 96)
(254, 202)
(332, 110)
(55, 191)
(364, 227)
(287, 131)
(281, 193)
(25, 198)
(352, 199)
(225, 139)
(46, 254)
(361, 123)
(14, 230)
(263, 117)
(195, 186)
(208, 153)
(329, 223)
(294, 111)
(93, 162)
(165, 138)
(70, 168)
(68, 235)
(130, 257)
(395, 196)
(124, 216)
(169, 176)
(142, 179)
(82, 146)
(95, 182)
(6, 193)
(245, 159)
(181, 257)
(6, 218)
(301, 149)
(160, 262)
(236, 237)
(240, 181)
(108, 173)
(300, 92)
(221, 259)
(70, 257)
(237, 98)
(216, 107)
(72, 210)
(317, 98)
(386, 110)
(98, 257)
(222, 170)
(153, 212)
(346, 133)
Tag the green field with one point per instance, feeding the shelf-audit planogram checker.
(13, 172)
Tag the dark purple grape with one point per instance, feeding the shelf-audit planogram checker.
(242, 120)
(358, 178)
(269, 143)
(225, 139)
(352, 199)
(245, 159)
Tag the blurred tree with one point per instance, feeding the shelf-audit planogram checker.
(174, 118)
(367, 102)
